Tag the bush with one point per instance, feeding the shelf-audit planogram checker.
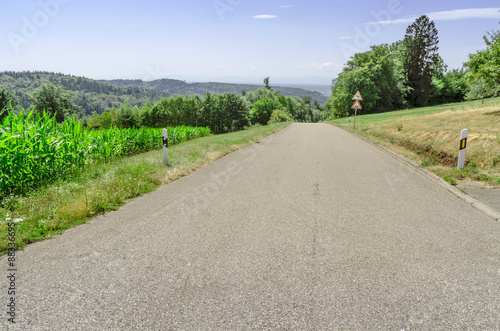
(280, 115)
(262, 110)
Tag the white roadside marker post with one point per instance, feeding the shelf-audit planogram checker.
(165, 146)
(463, 146)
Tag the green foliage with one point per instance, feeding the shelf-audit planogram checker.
(450, 179)
(280, 116)
(51, 99)
(126, 116)
(266, 84)
(224, 112)
(259, 94)
(262, 110)
(92, 95)
(421, 59)
(236, 112)
(375, 74)
(108, 119)
(8, 102)
(449, 87)
(484, 67)
(480, 89)
(299, 107)
(36, 150)
(405, 74)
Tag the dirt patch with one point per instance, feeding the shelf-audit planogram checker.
(494, 113)
(430, 152)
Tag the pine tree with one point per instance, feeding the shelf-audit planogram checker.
(421, 59)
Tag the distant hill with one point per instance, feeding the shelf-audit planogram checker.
(99, 95)
(90, 94)
(174, 86)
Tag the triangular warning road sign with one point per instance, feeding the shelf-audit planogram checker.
(357, 96)
(356, 105)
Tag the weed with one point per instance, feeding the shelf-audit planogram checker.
(450, 179)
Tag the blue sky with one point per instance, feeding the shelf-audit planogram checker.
(292, 41)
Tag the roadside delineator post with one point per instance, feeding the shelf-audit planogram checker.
(165, 146)
(463, 146)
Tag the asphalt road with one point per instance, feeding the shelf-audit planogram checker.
(310, 229)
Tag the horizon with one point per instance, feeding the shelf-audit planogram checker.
(277, 84)
(292, 41)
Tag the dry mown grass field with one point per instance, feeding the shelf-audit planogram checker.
(431, 135)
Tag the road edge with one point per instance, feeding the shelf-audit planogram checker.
(485, 209)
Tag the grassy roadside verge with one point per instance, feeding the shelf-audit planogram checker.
(430, 137)
(105, 187)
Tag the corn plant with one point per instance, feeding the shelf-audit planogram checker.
(35, 150)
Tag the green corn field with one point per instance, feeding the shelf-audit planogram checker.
(35, 150)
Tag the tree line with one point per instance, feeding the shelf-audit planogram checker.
(410, 73)
(97, 96)
(90, 95)
(222, 112)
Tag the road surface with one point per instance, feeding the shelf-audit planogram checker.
(310, 229)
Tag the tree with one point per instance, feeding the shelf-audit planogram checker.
(266, 83)
(280, 116)
(54, 101)
(421, 59)
(484, 66)
(377, 75)
(307, 101)
(262, 110)
(448, 87)
(236, 112)
(7, 101)
(317, 105)
(127, 117)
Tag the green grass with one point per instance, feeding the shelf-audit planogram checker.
(430, 136)
(394, 116)
(105, 187)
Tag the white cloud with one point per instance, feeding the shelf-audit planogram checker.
(264, 16)
(458, 14)
(286, 6)
(254, 69)
(466, 13)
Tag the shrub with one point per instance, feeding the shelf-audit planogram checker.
(280, 115)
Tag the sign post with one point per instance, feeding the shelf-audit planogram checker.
(357, 97)
(165, 146)
(463, 146)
